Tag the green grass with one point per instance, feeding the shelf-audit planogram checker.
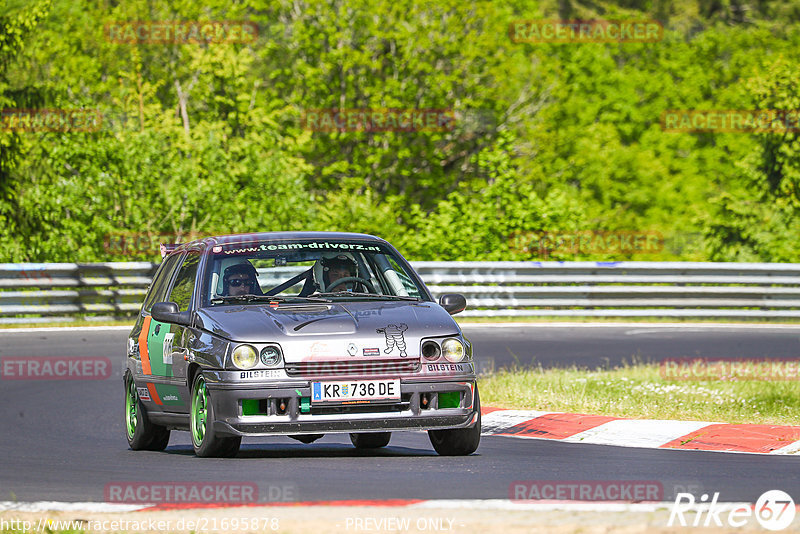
(638, 391)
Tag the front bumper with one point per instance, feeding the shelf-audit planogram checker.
(412, 412)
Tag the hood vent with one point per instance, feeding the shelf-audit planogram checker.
(303, 308)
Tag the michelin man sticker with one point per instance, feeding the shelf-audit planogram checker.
(394, 336)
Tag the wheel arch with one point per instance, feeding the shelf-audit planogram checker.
(191, 373)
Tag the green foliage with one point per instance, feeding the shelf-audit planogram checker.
(208, 138)
(761, 221)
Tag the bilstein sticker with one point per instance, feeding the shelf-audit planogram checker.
(260, 373)
(449, 367)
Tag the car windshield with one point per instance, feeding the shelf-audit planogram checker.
(307, 271)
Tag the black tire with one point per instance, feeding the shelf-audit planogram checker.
(370, 440)
(141, 433)
(458, 441)
(206, 442)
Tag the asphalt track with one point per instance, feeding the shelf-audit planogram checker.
(598, 346)
(64, 440)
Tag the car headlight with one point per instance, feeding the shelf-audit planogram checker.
(245, 357)
(431, 350)
(453, 350)
(271, 356)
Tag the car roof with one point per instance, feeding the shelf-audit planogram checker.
(278, 236)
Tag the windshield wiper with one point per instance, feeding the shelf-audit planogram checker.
(371, 295)
(266, 298)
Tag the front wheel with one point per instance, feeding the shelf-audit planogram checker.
(458, 441)
(370, 440)
(141, 433)
(205, 440)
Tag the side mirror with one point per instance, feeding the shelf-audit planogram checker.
(168, 312)
(453, 303)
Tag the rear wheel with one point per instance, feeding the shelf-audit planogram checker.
(205, 440)
(141, 433)
(370, 440)
(458, 441)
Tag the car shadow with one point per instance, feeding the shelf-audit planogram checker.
(321, 450)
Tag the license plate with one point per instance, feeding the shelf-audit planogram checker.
(355, 390)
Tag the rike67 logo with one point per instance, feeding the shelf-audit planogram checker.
(774, 510)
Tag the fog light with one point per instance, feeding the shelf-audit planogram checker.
(245, 357)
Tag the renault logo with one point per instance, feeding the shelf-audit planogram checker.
(352, 349)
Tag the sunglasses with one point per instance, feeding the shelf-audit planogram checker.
(236, 282)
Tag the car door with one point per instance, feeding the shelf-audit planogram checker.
(149, 369)
(171, 342)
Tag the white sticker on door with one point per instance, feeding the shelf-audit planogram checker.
(168, 348)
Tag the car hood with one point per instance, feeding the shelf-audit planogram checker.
(334, 326)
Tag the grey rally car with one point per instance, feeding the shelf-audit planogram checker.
(297, 334)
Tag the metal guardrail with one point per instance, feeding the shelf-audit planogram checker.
(49, 292)
(619, 289)
(56, 292)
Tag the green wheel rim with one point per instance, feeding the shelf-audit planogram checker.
(199, 411)
(131, 400)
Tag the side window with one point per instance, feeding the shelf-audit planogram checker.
(184, 283)
(158, 287)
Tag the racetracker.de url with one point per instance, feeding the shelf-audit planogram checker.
(195, 524)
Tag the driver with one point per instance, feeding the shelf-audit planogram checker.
(240, 279)
(337, 267)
